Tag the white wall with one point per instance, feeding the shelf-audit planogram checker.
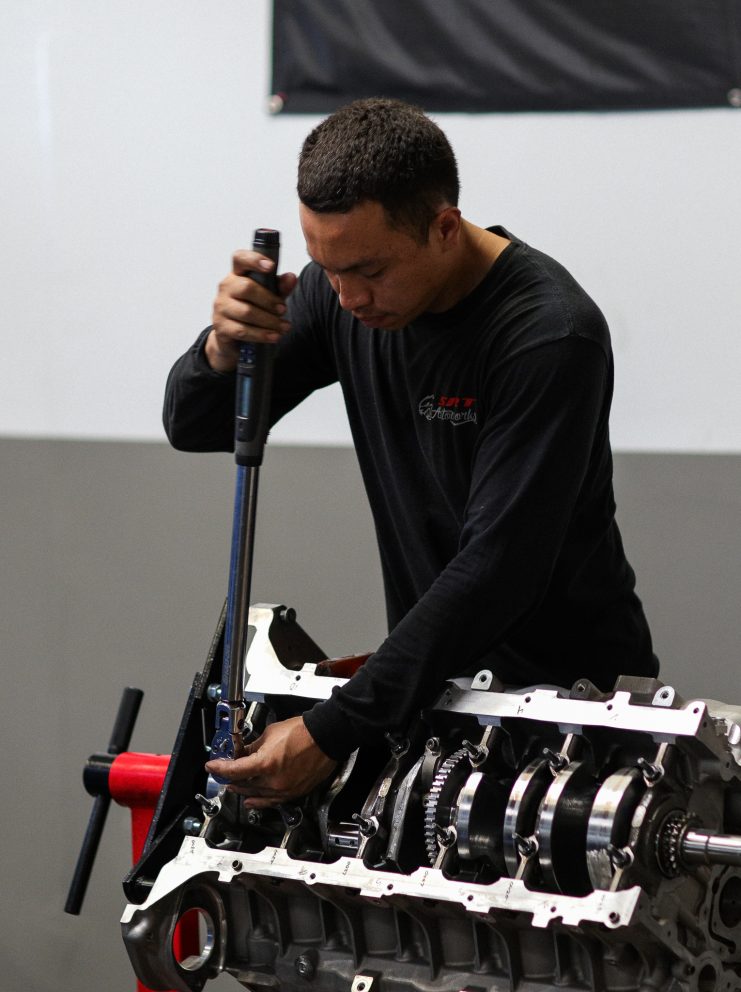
(138, 154)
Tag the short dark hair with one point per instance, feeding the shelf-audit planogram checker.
(384, 150)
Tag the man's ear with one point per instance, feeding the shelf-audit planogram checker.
(446, 227)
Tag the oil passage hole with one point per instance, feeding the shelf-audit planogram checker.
(194, 939)
(729, 903)
(707, 979)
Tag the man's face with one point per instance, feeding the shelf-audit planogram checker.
(381, 274)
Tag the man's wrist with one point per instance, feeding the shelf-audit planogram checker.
(218, 360)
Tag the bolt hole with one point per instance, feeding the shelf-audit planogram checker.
(469, 898)
(360, 986)
(389, 887)
(553, 909)
(312, 876)
(528, 698)
(707, 978)
(609, 706)
(194, 939)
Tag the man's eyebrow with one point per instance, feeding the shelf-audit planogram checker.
(362, 264)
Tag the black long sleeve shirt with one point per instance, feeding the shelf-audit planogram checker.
(482, 437)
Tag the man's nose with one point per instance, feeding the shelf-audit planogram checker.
(353, 293)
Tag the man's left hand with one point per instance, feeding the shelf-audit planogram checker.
(283, 763)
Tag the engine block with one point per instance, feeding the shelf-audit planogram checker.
(514, 840)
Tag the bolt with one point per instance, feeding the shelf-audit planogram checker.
(651, 772)
(254, 817)
(433, 745)
(213, 693)
(475, 752)
(209, 807)
(446, 836)
(526, 846)
(367, 825)
(292, 815)
(288, 615)
(555, 759)
(397, 744)
(620, 857)
(305, 965)
(192, 826)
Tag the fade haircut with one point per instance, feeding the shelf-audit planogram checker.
(382, 150)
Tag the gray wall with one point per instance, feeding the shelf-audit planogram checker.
(114, 569)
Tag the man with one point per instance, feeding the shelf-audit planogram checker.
(477, 376)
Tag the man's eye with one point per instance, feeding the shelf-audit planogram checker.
(374, 275)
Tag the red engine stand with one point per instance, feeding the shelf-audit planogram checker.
(135, 781)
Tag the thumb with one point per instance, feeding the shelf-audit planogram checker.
(287, 283)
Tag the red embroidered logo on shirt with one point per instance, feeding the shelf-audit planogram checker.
(455, 409)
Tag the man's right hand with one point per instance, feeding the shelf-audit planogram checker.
(246, 311)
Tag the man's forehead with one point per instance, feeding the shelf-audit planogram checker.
(348, 241)
(361, 263)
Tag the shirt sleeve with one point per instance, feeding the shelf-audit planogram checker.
(198, 413)
(531, 460)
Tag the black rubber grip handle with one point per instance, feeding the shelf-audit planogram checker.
(123, 728)
(255, 370)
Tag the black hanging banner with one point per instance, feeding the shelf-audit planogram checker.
(507, 55)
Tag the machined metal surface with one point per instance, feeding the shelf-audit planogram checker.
(609, 824)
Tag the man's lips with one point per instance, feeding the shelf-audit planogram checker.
(371, 318)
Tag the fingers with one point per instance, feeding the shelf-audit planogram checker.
(284, 763)
(245, 261)
(243, 779)
(246, 311)
(239, 771)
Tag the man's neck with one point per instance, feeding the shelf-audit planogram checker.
(477, 252)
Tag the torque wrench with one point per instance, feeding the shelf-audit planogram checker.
(254, 387)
